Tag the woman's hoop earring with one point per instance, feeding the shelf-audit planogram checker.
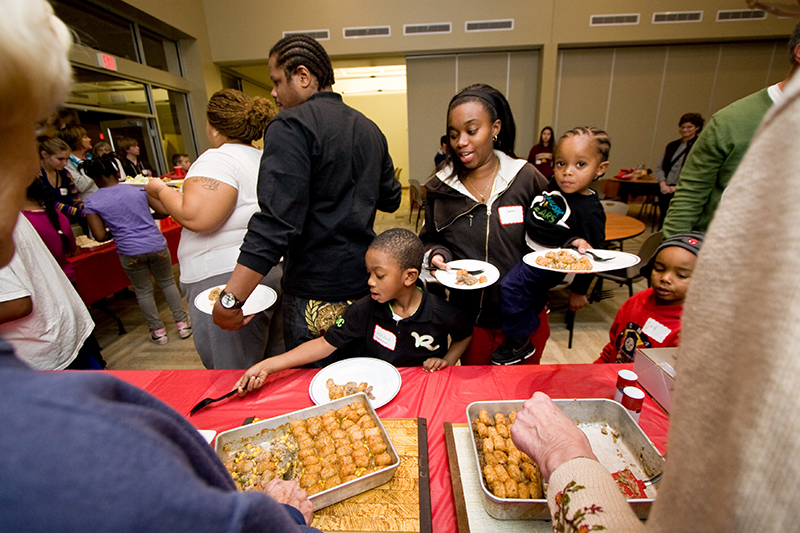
(495, 138)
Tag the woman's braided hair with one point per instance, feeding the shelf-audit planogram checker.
(237, 116)
(295, 50)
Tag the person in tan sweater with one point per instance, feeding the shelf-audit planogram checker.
(734, 444)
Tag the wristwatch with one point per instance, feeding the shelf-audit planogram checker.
(229, 301)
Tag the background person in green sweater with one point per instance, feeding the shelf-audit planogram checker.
(717, 152)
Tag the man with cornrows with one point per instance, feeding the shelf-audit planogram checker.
(324, 172)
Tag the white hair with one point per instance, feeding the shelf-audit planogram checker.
(34, 69)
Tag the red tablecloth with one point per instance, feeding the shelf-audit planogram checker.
(439, 397)
(99, 273)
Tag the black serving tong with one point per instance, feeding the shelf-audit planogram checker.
(208, 401)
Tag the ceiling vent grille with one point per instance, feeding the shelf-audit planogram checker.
(320, 35)
(489, 25)
(628, 19)
(373, 31)
(677, 17)
(740, 14)
(427, 29)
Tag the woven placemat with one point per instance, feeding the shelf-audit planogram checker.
(467, 491)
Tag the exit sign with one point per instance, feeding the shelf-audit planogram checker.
(106, 61)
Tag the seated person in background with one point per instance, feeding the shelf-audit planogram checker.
(669, 167)
(159, 474)
(180, 166)
(182, 161)
(652, 318)
(568, 213)
(57, 181)
(398, 322)
(132, 166)
(41, 315)
(51, 225)
(141, 246)
(80, 144)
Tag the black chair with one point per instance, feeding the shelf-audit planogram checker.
(629, 275)
(416, 199)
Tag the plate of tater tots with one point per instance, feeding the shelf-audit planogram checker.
(570, 261)
(378, 379)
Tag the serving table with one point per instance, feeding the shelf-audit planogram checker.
(438, 397)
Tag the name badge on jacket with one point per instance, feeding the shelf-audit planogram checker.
(511, 214)
(385, 338)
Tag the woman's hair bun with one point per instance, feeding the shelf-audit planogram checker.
(261, 112)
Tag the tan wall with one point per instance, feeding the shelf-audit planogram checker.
(637, 94)
(388, 111)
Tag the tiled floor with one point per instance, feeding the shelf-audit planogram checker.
(132, 351)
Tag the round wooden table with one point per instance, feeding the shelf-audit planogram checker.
(621, 227)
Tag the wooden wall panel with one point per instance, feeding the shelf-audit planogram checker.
(430, 85)
(583, 88)
(688, 78)
(523, 93)
(633, 107)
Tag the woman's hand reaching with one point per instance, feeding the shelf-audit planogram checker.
(547, 435)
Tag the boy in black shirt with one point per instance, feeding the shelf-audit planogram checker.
(398, 322)
(569, 213)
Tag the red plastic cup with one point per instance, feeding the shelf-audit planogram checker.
(625, 378)
(632, 400)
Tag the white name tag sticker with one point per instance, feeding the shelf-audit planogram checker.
(655, 330)
(511, 214)
(63, 191)
(385, 338)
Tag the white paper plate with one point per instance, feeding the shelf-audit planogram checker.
(448, 277)
(207, 434)
(619, 260)
(382, 376)
(261, 298)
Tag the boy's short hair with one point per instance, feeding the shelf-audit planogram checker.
(402, 245)
(177, 159)
(688, 240)
(126, 142)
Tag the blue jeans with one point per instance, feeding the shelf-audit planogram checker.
(523, 295)
(138, 269)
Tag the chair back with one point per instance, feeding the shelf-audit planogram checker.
(612, 206)
(417, 193)
(646, 251)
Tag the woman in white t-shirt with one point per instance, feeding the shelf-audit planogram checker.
(219, 197)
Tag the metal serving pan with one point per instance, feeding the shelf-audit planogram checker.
(260, 433)
(616, 439)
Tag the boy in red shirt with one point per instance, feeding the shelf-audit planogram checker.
(652, 318)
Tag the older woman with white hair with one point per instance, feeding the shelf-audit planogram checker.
(160, 474)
